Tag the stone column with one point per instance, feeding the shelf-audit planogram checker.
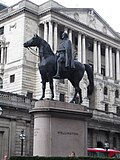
(70, 87)
(70, 35)
(42, 135)
(45, 31)
(95, 56)
(79, 47)
(55, 37)
(83, 50)
(1, 60)
(40, 31)
(51, 34)
(117, 65)
(111, 63)
(99, 57)
(106, 62)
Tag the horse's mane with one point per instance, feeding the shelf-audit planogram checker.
(46, 45)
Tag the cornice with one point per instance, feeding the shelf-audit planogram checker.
(85, 29)
(16, 13)
(78, 26)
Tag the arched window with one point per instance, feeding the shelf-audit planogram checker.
(105, 91)
(1, 83)
(116, 94)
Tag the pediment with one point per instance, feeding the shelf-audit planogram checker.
(90, 18)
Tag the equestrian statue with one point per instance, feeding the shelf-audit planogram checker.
(60, 66)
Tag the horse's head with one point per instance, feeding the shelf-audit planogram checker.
(32, 42)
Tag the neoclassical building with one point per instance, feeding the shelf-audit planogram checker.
(94, 42)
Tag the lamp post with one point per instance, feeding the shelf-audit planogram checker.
(22, 138)
(106, 146)
(1, 111)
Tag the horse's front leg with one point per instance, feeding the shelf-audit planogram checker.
(51, 88)
(43, 89)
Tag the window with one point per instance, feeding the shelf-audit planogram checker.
(116, 94)
(114, 142)
(103, 51)
(61, 32)
(1, 83)
(5, 55)
(105, 91)
(30, 95)
(100, 144)
(76, 41)
(106, 107)
(1, 30)
(103, 71)
(12, 78)
(62, 97)
(90, 47)
(118, 110)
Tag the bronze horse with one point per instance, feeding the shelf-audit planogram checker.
(47, 68)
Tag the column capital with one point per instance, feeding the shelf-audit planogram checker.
(80, 33)
(99, 42)
(106, 45)
(117, 50)
(44, 22)
(95, 39)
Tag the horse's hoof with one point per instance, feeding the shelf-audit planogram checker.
(41, 99)
(80, 102)
(72, 101)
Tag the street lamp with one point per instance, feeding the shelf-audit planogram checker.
(106, 146)
(1, 111)
(22, 138)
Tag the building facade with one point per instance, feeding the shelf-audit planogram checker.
(14, 119)
(94, 42)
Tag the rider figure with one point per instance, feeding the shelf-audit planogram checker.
(65, 54)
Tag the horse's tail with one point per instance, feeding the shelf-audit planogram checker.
(90, 75)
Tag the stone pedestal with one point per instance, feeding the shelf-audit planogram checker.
(59, 128)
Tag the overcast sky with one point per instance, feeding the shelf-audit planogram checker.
(109, 10)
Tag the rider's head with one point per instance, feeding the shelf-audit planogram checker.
(64, 35)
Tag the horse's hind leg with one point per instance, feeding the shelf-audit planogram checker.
(51, 88)
(43, 89)
(78, 90)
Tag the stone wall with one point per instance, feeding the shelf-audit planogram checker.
(15, 117)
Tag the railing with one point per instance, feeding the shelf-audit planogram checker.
(99, 114)
(7, 98)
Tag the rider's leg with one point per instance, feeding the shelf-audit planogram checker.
(58, 68)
